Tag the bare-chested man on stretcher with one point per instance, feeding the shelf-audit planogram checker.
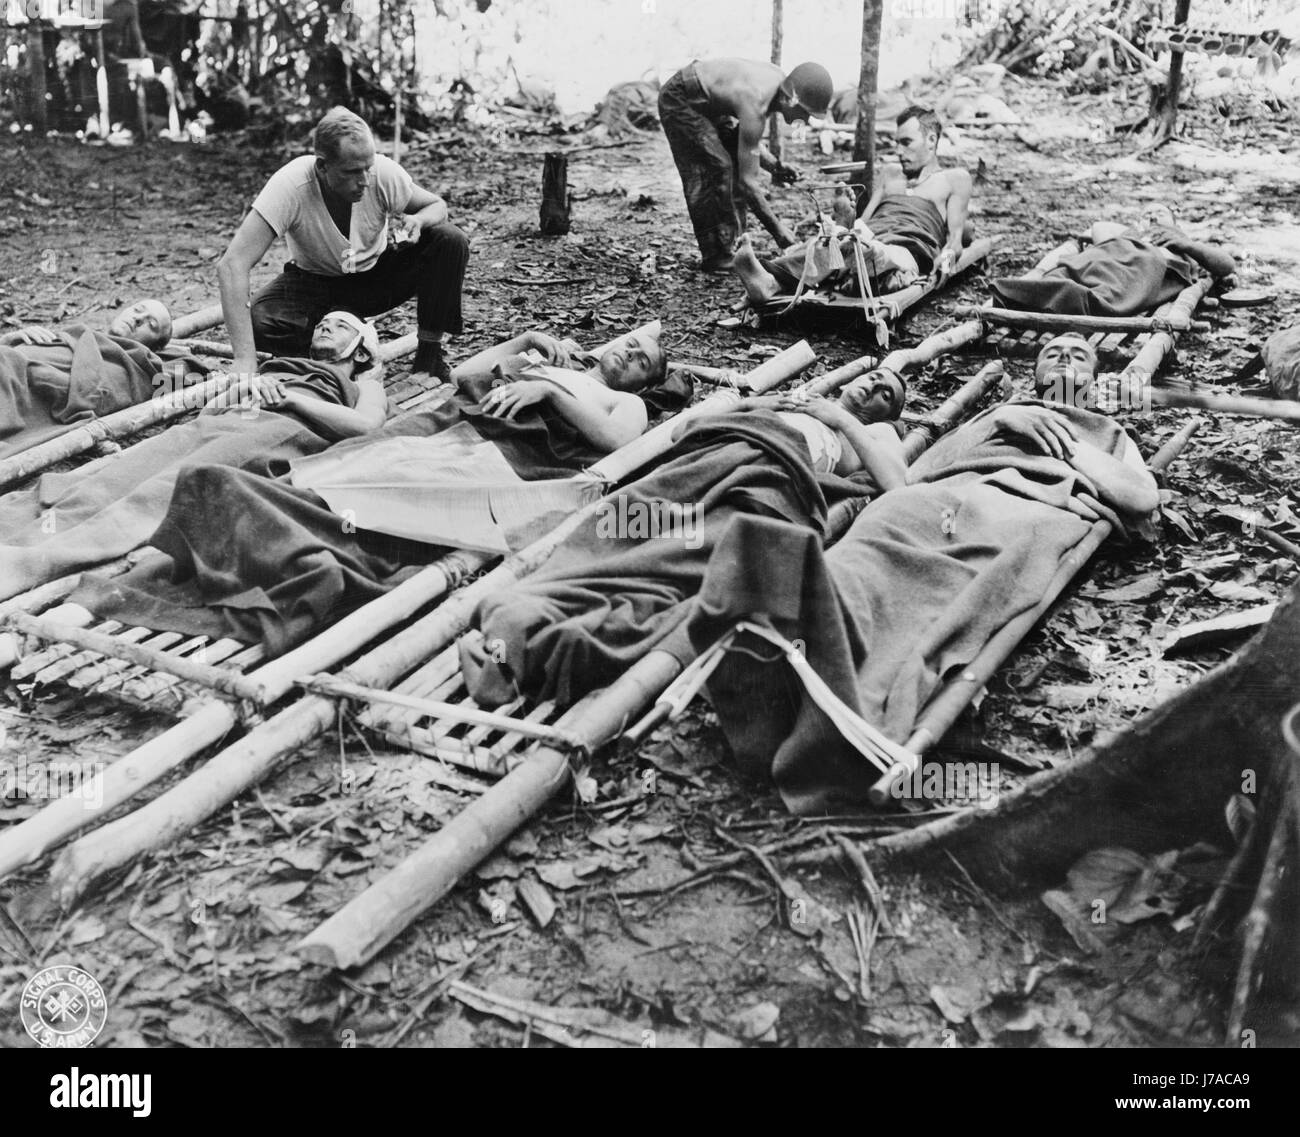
(912, 225)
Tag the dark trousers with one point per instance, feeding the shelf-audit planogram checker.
(432, 270)
(706, 159)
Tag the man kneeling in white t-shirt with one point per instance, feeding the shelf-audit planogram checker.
(333, 211)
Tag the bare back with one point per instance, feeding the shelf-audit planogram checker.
(741, 88)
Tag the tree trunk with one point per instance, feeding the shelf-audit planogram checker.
(1164, 784)
(778, 35)
(864, 139)
(36, 76)
(1161, 784)
(555, 195)
(1167, 110)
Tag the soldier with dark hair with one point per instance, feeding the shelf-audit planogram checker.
(913, 224)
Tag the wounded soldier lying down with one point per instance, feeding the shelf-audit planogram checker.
(623, 581)
(55, 379)
(292, 407)
(923, 579)
(269, 560)
(1123, 271)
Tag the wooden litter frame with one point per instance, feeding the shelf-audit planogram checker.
(528, 777)
(881, 311)
(270, 743)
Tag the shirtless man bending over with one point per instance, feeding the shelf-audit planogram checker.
(912, 225)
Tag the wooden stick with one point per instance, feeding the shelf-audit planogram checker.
(1152, 353)
(199, 321)
(1279, 542)
(1051, 321)
(1206, 633)
(218, 678)
(119, 424)
(1286, 410)
(450, 712)
(370, 921)
(131, 420)
(256, 755)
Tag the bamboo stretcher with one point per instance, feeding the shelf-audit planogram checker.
(880, 312)
(164, 408)
(945, 707)
(270, 742)
(162, 670)
(469, 751)
(529, 773)
(129, 420)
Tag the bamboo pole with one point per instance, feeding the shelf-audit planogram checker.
(132, 420)
(905, 359)
(208, 723)
(1051, 321)
(199, 321)
(264, 748)
(212, 348)
(129, 420)
(1286, 410)
(943, 710)
(449, 712)
(369, 922)
(1152, 353)
(221, 679)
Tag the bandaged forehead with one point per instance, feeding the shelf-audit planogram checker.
(365, 333)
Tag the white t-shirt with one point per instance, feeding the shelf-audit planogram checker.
(291, 203)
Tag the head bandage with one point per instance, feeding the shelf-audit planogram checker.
(365, 337)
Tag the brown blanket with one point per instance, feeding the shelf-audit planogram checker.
(48, 389)
(923, 579)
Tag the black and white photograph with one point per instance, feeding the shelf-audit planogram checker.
(650, 524)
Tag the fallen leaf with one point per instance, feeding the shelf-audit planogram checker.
(276, 895)
(957, 1003)
(86, 930)
(560, 875)
(757, 1023)
(611, 837)
(1239, 593)
(309, 861)
(537, 900)
(498, 867)
(1144, 587)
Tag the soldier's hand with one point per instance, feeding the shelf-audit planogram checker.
(784, 174)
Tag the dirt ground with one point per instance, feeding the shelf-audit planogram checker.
(193, 945)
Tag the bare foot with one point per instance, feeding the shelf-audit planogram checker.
(73, 614)
(760, 285)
